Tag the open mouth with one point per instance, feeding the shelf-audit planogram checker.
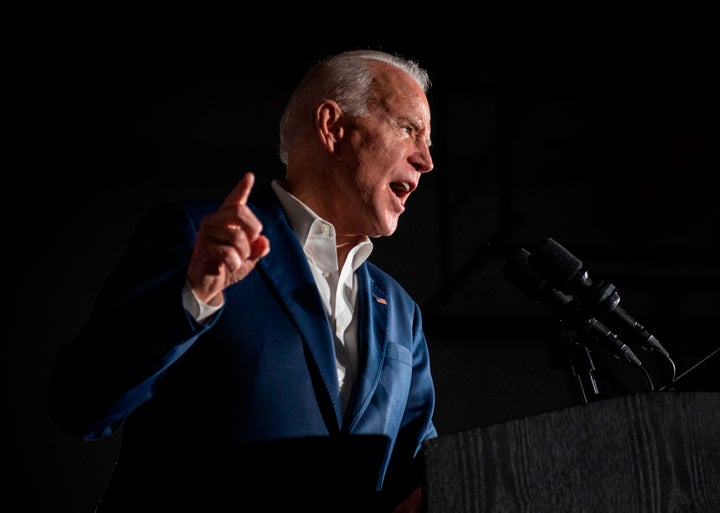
(401, 189)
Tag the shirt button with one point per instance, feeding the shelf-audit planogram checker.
(326, 274)
(325, 229)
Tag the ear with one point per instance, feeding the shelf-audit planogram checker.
(329, 124)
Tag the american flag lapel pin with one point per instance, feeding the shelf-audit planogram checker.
(381, 300)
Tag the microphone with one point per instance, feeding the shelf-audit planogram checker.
(519, 272)
(566, 272)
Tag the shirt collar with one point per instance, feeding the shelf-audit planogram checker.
(302, 219)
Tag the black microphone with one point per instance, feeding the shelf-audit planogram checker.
(566, 272)
(519, 272)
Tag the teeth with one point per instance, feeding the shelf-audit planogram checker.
(400, 188)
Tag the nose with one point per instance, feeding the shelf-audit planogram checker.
(421, 159)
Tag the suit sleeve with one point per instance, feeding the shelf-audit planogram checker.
(406, 469)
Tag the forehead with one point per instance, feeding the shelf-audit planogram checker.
(399, 94)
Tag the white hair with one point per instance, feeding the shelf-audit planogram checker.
(344, 78)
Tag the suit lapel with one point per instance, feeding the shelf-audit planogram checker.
(372, 326)
(287, 270)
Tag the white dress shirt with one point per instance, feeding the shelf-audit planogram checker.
(337, 287)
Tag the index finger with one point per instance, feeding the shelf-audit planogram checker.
(240, 194)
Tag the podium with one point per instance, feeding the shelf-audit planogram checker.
(652, 452)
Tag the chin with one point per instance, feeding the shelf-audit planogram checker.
(385, 231)
(385, 225)
(389, 228)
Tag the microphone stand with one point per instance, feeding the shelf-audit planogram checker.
(579, 329)
(583, 370)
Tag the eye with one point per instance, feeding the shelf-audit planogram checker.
(415, 133)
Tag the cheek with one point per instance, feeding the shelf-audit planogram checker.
(376, 164)
(385, 160)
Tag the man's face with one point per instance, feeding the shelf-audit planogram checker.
(390, 149)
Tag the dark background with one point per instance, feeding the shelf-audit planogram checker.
(612, 152)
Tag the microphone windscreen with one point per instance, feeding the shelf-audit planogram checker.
(555, 263)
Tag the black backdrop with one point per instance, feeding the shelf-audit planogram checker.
(612, 153)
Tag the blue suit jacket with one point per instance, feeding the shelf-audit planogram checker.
(256, 388)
